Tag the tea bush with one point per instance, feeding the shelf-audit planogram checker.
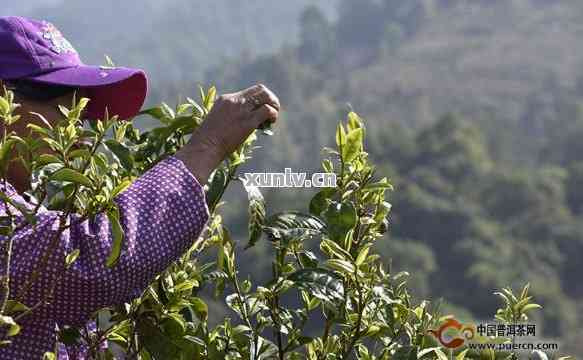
(329, 296)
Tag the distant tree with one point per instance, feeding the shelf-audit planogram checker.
(361, 24)
(393, 36)
(317, 37)
(455, 148)
(411, 14)
(574, 186)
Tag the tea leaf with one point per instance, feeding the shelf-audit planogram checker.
(256, 213)
(117, 237)
(71, 175)
(321, 283)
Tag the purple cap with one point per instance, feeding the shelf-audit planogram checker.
(37, 51)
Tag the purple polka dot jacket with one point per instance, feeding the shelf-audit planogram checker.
(162, 213)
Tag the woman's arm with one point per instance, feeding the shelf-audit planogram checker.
(162, 213)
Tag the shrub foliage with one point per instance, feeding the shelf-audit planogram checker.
(329, 296)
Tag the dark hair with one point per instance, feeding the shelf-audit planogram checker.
(37, 91)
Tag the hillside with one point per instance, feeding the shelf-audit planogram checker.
(487, 197)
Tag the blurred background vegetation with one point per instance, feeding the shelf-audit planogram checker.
(473, 107)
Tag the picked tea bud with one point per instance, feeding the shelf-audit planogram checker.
(266, 128)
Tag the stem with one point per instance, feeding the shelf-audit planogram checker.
(62, 227)
(245, 313)
(274, 311)
(356, 335)
(361, 306)
(7, 248)
(6, 277)
(46, 299)
(277, 331)
(327, 328)
(396, 336)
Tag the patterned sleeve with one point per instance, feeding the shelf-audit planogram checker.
(162, 213)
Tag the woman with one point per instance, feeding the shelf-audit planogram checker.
(162, 212)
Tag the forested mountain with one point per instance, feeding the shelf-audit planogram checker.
(486, 196)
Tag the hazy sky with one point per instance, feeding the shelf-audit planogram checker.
(10, 7)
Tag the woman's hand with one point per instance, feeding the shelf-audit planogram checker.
(232, 119)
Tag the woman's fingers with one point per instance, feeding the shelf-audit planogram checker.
(259, 95)
(264, 113)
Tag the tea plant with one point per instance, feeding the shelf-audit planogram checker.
(329, 295)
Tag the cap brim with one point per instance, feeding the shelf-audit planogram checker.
(120, 90)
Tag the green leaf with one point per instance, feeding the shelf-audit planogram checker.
(440, 354)
(64, 111)
(263, 349)
(341, 266)
(121, 187)
(38, 129)
(216, 188)
(462, 355)
(108, 62)
(530, 307)
(6, 230)
(5, 150)
(45, 159)
(78, 110)
(320, 201)
(406, 352)
(293, 226)
(539, 355)
(200, 111)
(155, 341)
(4, 106)
(340, 137)
(200, 308)
(72, 257)
(383, 184)
(354, 121)
(209, 99)
(320, 283)
(49, 356)
(71, 175)
(173, 325)
(43, 119)
(333, 249)
(117, 237)
(340, 218)
(69, 335)
(354, 145)
(266, 128)
(82, 153)
(13, 327)
(13, 306)
(308, 259)
(155, 112)
(362, 255)
(256, 213)
(53, 144)
(122, 152)
(167, 111)
(195, 340)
